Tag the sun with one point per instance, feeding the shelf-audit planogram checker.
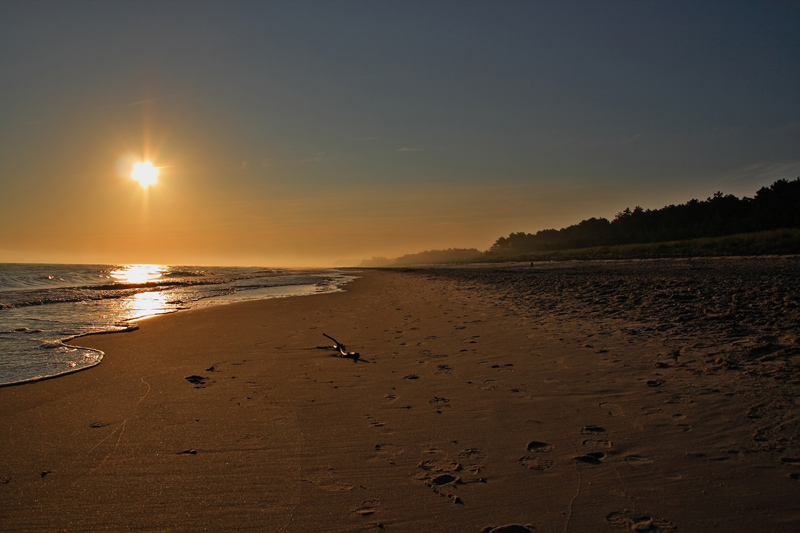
(145, 173)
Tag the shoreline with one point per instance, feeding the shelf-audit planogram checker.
(21, 359)
(475, 404)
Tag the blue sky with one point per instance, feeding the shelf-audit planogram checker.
(311, 132)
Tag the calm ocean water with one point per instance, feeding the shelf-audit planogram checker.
(41, 306)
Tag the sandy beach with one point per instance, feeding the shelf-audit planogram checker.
(603, 396)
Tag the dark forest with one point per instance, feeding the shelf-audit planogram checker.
(773, 207)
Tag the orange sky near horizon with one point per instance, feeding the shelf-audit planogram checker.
(328, 133)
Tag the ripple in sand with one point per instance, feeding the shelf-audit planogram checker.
(509, 528)
(368, 507)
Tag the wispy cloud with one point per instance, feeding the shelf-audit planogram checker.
(751, 177)
(407, 149)
(140, 102)
(318, 157)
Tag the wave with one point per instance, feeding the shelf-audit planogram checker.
(43, 296)
(186, 273)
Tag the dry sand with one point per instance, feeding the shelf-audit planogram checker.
(647, 396)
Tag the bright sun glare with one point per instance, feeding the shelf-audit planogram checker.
(145, 173)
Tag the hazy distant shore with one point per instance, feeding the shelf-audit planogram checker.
(775, 242)
(588, 396)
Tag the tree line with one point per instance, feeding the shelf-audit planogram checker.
(773, 207)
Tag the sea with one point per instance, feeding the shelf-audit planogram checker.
(44, 305)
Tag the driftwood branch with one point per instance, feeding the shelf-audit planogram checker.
(342, 349)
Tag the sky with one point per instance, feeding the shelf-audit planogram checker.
(305, 133)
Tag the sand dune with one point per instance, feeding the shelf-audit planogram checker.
(647, 396)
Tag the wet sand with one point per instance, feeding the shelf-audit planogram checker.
(609, 396)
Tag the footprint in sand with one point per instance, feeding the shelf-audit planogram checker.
(536, 461)
(639, 522)
(444, 479)
(443, 484)
(613, 409)
(593, 458)
(596, 443)
(760, 410)
(596, 457)
(539, 447)
(388, 452)
(199, 382)
(439, 402)
(443, 476)
(375, 423)
(368, 507)
(489, 384)
(444, 369)
(636, 461)
(473, 459)
(326, 480)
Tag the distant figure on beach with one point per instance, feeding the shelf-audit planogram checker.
(531, 263)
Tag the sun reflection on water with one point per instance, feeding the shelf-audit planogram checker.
(138, 273)
(145, 304)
